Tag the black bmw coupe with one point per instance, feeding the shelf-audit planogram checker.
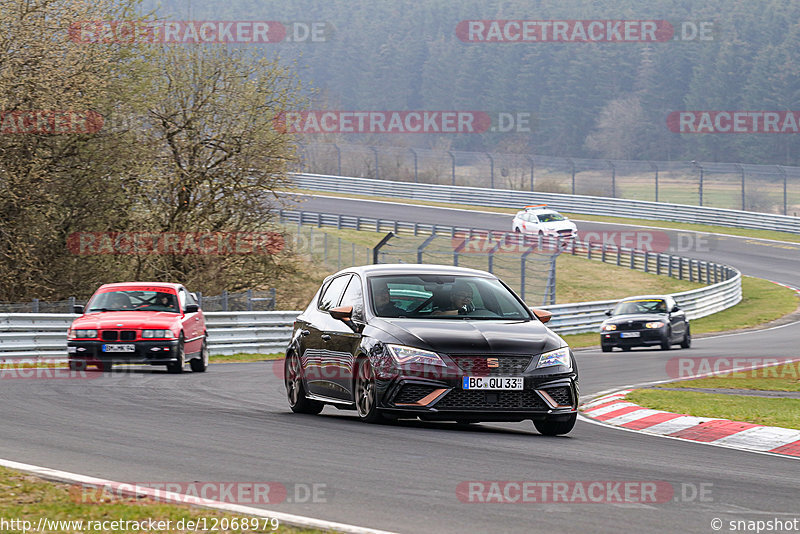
(649, 320)
(430, 342)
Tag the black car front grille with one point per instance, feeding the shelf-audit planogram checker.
(110, 335)
(412, 393)
(116, 335)
(562, 395)
(565, 232)
(461, 399)
(631, 325)
(480, 365)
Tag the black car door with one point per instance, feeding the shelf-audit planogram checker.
(346, 337)
(319, 359)
(677, 320)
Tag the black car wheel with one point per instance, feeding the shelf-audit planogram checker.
(199, 365)
(77, 365)
(293, 377)
(177, 367)
(626, 349)
(104, 366)
(606, 348)
(366, 402)
(554, 427)
(687, 338)
(666, 340)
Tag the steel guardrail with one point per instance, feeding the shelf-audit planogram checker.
(587, 205)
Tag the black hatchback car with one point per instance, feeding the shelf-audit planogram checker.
(643, 321)
(430, 342)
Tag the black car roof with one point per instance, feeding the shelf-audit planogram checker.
(414, 268)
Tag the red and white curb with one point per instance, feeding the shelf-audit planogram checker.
(614, 410)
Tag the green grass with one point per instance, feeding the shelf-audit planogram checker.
(762, 301)
(29, 498)
(783, 413)
(762, 234)
(785, 377)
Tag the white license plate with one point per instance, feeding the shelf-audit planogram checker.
(629, 334)
(119, 348)
(493, 382)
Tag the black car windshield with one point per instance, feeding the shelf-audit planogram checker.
(630, 307)
(444, 297)
(551, 217)
(133, 300)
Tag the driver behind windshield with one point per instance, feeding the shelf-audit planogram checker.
(460, 302)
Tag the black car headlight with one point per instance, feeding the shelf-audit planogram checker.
(608, 327)
(403, 355)
(555, 357)
(654, 324)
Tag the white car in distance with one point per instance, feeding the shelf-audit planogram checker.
(539, 220)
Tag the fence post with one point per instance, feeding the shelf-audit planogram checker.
(453, 158)
(376, 251)
(550, 286)
(680, 268)
(646, 262)
(421, 248)
(783, 173)
(224, 300)
(71, 304)
(199, 299)
(249, 300)
(741, 171)
(416, 176)
(658, 263)
(35, 306)
(613, 179)
(377, 172)
(573, 174)
(669, 271)
(603, 253)
(530, 160)
(655, 167)
(338, 158)
(491, 167)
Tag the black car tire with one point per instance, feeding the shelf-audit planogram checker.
(606, 348)
(177, 367)
(77, 365)
(199, 365)
(666, 342)
(364, 392)
(626, 349)
(295, 391)
(104, 366)
(687, 338)
(551, 427)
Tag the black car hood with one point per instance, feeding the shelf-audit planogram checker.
(455, 336)
(617, 319)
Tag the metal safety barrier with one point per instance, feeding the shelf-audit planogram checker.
(588, 205)
(40, 335)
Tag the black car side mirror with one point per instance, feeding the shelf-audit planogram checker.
(343, 313)
(608, 312)
(77, 308)
(675, 308)
(191, 308)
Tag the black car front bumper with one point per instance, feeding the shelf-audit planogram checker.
(647, 337)
(149, 352)
(542, 397)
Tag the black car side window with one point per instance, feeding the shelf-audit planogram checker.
(330, 297)
(353, 297)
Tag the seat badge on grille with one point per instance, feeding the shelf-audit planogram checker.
(492, 363)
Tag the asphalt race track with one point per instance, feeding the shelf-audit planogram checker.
(233, 424)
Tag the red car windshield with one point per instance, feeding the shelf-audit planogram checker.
(133, 300)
